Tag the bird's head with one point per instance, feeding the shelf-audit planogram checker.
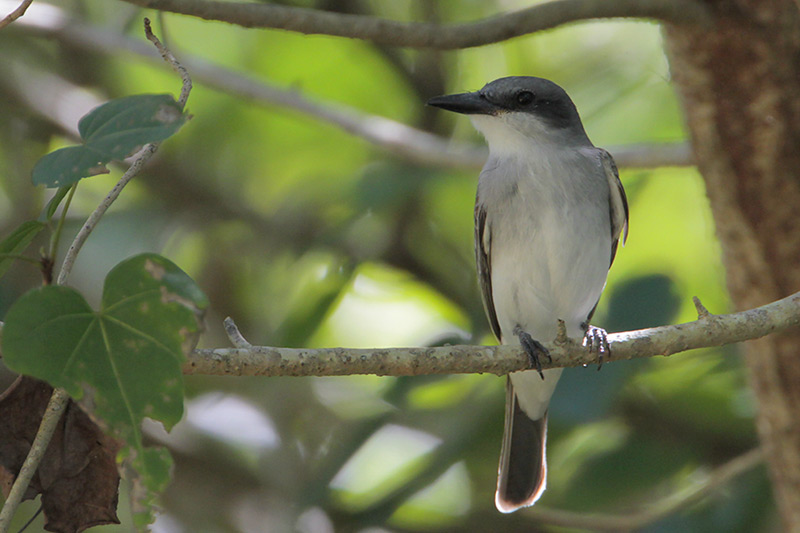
(516, 111)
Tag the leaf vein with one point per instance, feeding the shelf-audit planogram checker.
(141, 334)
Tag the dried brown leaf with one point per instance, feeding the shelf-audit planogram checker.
(78, 477)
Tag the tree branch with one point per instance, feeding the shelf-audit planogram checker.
(389, 135)
(709, 330)
(427, 35)
(678, 154)
(17, 13)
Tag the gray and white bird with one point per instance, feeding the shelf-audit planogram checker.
(549, 214)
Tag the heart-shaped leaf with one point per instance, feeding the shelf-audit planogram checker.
(126, 357)
(128, 354)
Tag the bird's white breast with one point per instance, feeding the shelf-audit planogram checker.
(550, 238)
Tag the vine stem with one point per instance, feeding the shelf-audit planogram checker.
(17, 13)
(52, 415)
(60, 398)
(57, 234)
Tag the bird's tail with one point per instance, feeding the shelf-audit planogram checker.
(522, 473)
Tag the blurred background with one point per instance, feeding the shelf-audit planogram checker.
(311, 236)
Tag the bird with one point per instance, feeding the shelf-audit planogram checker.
(550, 211)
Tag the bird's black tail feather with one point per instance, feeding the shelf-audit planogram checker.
(523, 469)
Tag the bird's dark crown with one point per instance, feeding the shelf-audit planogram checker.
(537, 96)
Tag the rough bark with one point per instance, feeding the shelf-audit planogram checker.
(740, 86)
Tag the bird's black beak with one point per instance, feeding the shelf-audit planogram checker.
(465, 103)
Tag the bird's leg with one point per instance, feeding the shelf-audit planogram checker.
(533, 348)
(596, 339)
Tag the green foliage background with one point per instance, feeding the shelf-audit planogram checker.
(308, 236)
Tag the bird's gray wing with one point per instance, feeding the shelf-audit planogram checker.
(483, 243)
(617, 209)
(617, 204)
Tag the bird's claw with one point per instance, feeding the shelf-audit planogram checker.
(596, 340)
(534, 349)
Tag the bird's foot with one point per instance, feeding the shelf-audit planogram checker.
(596, 340)
(533, 348)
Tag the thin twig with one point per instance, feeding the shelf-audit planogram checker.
(166, 55)
(143, 157)
(657, 510)
(56, 238)
(31, 519)
(69, 259)
(427, 35)
(60, 398)
(702, 312)
(234, 335)
(17, 13)
(714, 330)
(667, 154)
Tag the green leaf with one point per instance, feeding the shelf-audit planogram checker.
(64, 167)
(17, 241)
(120, 127)
(53, 204)
(128, 355)
(152, 468)
(111, 131)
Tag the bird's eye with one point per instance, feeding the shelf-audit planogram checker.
(524, 97)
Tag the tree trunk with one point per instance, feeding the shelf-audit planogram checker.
(740, 86)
